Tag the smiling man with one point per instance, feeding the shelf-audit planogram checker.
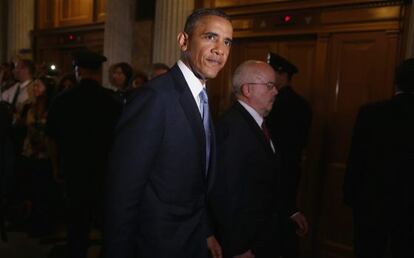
(163, 158)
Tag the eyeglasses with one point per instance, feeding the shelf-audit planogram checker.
(269, 85)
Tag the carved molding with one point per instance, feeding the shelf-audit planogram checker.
(236, 8)
(367, 17)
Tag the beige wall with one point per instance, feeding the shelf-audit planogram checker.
(118, 36)
(20, 23)
(142, 45)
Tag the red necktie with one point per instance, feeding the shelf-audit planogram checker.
(266, 132)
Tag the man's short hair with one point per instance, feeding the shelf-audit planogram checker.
(200, 13)
(246, 72)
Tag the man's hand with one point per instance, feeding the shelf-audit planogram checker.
(214, 247)
(247, 254)
(301, 222)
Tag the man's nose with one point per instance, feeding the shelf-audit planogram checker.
(218, 48)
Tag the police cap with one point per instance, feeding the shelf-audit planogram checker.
(280, 64)
(88, 59)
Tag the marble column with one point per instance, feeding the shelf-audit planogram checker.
(170, 17)
(118, 37)
(20, 24)
(410, 41)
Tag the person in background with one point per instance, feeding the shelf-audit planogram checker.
(18, 97)
(20, 93)
(37, 161)
(379, 175)
(80, 127)
(158, 69)
(7, 79)
(7, 159)
(163, 157)
(120, 75)
(66, 82)
(245, 192)
(138, 79)
(289, 124)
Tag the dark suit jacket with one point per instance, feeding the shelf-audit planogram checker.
(379, 176)
(81, 120)
(243, 198)
(157, 184)
(289, 123)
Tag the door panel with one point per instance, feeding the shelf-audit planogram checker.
(357, 73)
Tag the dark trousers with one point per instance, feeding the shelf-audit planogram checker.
(84, 209)
(44, 196)
(289, 242)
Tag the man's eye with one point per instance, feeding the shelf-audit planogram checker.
(227, 43)
(210, 37)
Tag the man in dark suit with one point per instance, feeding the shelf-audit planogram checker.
(162, 162)
(289, 123)
(243, 200)
(80, 126)
(379, 177)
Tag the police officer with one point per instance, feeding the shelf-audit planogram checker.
(289, 123)
(80, 125)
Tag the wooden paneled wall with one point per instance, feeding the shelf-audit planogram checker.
(62, 13)
(346, 51)
(63, 26)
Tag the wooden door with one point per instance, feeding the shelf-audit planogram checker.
(359, 70)
(74, 12)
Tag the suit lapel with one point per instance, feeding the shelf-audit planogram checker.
(190, 109)
(254, 126)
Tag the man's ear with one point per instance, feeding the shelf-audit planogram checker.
(245, 90)
(182, 40)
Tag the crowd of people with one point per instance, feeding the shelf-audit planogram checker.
(34, 190)
(142, 160)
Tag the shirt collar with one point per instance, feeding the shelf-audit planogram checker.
(25, 83)
(258, 118)
(193, 82)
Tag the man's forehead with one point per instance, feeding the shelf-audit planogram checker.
(213, 20)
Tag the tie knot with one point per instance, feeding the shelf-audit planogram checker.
(203, 96)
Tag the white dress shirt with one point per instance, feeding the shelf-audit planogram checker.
(193, 82)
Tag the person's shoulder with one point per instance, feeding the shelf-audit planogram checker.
(375, 106)
(373, 110)
(232, 115)
(295, 98)
(162, 82)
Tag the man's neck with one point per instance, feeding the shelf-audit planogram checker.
(196, 74)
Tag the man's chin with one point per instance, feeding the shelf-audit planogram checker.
(211, 74)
